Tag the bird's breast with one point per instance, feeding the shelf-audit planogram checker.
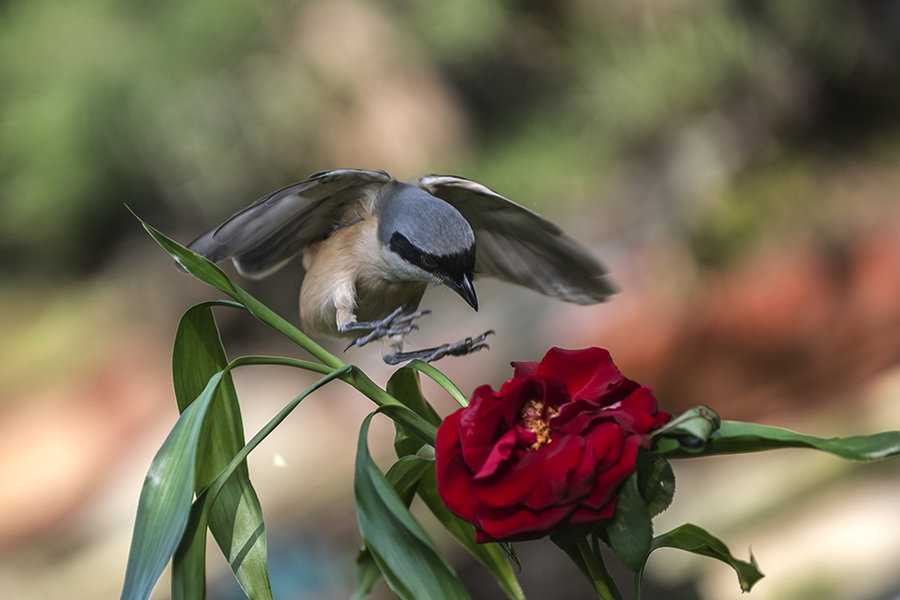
(349, 271)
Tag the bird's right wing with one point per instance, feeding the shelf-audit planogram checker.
(272, 230)
(516, 245)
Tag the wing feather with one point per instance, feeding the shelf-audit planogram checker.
(272, 230)
(519, 246)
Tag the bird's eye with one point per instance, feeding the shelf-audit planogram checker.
(428, 262)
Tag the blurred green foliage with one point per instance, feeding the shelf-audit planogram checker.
(177, 108)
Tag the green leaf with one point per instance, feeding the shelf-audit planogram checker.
(405, 474)
(164, 507)
(201, 509)
(656, 482)
(410, 420)
(584, 550)
(189, 560)
(404, 386)
(165, 501)
(691, 538)
(367, 574)
(736, 436)
(411, 565)
(440, 379)
(235, 517)
(699, 431)
(491, 555)
(630, 530)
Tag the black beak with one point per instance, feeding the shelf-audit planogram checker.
(464, 289)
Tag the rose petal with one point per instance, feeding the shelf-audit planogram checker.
(524, 369)
(508, 488)
(576, 417)
(555, 462)
(479, 425)
(609, 480)
(451, 472)
(587, 373)
(603, 444)
(519, 524)
(636, 412)
(589, 515)
(499, 454)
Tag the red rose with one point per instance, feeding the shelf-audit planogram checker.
(546, 452)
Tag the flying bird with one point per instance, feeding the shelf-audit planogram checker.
(371, 245)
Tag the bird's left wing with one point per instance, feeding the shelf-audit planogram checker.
(514, 244)
(269, 232)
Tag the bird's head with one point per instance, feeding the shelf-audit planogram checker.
(429, 237)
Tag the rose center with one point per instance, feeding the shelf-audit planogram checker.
(537, 420)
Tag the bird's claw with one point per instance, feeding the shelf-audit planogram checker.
(460, 348)
(393, 324)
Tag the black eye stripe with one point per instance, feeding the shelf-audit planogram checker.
(455, 265)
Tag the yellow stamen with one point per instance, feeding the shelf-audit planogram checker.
(534, 420)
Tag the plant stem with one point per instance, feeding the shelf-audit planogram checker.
(602, 582)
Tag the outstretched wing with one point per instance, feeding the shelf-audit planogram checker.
(516, 245)
(272, 230)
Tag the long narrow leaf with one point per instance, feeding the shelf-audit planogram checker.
(188, 558)
(735, 436)
(404, 477)
(411, 565)
(235, 519)
(367, 574)
(409, 419)
(439, 378)
(404, 386)
(697, 540)
(587, 557)
(405, 474)
(165, 500)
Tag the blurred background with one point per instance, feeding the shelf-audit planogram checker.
(735, 164)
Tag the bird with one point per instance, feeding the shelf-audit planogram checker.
(372, 244)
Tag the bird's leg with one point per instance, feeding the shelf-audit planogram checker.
(395, 324)
(392, 354)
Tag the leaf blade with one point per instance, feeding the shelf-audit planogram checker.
(411, 565)
(734, 437)
(165, 500)
(631, 530)
(694, 539)
(235, 515)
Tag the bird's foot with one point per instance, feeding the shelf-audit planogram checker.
(460, 348)
(393, 324)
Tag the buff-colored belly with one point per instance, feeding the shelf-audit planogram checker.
(346, 281)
